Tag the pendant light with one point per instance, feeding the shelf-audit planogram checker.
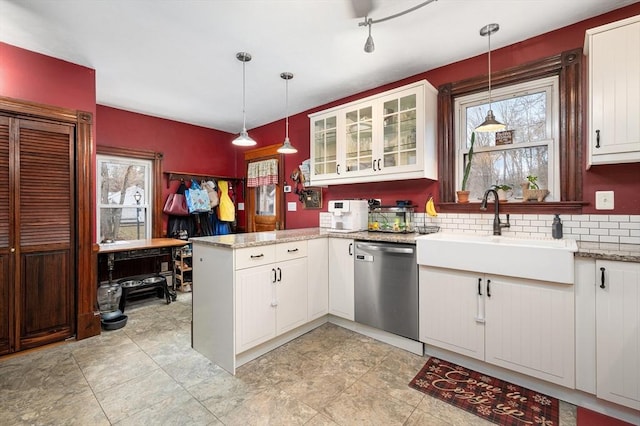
(286, 147)
(490, 123)
(369, 47)
(243, 139)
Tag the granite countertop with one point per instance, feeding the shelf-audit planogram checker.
(254, 239)
(604, 251)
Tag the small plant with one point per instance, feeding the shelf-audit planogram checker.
(533, 182)
(467, 168)
(504, 187)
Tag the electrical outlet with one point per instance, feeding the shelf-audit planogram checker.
(604, 200)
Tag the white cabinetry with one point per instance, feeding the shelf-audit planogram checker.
(318, 277)
(271, 298)
(614, 92)
(389, 136)
(341, 278)
(618, 332)
(520, 324)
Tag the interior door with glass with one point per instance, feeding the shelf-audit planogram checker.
(264, 201)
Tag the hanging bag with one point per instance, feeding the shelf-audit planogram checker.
(197, 198)
(176, 204)
(212, 191)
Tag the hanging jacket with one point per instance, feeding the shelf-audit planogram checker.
(226, 209)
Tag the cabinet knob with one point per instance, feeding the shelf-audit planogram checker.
(602, 278)
(597, 138)
(13, 250)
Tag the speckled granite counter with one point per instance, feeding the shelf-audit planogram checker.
(605, 251)
(253, 239)
(609, 251)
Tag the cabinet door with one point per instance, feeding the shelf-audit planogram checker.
(614, 128)
(451, 310)
(530, 328)
(341, 279)
(291, 291)
(5, 242)
(400, 150)
(318, 278)
(45, 296)
(358, 133)
(618, 332)
(324, 147)
(255, 306)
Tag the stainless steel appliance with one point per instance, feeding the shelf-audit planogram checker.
(386, 287)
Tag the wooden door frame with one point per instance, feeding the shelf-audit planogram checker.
(259, 154)
(87, 314)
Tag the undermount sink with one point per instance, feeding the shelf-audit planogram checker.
(533, 258)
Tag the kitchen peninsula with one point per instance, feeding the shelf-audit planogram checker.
(249, 290)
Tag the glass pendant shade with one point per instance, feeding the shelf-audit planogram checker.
(286, 147)
(243, 138)
(490, 124)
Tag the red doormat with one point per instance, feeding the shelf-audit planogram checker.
(492, 399)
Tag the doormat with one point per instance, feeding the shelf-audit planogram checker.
(492, 399)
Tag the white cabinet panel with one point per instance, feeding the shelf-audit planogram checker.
(450, 311)
(614, 92)
(318, 277)
(530, 328)
(341, 278)
(291, 294)
(255, 306)
(618, 332)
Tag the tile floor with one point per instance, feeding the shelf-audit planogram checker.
(147, 374)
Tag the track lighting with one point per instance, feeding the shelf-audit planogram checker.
(243, 139)
(490, 124)
(286, 147)
(369, 46)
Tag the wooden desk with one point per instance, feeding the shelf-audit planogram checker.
(127, 250)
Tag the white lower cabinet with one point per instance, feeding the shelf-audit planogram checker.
(318, 277)
(618, 332)
(519, 324)
(271, 299)
(341, 278)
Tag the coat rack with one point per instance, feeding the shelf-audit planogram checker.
(171, 176)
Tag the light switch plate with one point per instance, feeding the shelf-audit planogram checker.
(240, 206)
(292, 206)
(604, 200)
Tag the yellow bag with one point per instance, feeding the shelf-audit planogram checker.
(226, 209)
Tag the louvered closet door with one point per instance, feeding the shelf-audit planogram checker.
(45, 231)
(6, 311)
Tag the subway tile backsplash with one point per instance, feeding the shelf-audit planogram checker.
(601, 229)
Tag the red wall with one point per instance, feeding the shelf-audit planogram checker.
(622, 178)
(38, 78)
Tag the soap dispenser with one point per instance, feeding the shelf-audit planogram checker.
(556, 227)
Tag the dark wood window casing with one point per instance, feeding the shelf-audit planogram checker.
(568, 67)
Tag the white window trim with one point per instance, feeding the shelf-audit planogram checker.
(551, 85)
(145, 203)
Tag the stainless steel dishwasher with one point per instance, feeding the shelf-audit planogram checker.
(386, 287)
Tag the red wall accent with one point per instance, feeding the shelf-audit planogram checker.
(43, 79)
(622, 178)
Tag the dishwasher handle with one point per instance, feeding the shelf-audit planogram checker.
(386, 248)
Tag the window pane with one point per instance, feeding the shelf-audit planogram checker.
(526, 115)
(265, 200)
(509, 167)
(122, 223)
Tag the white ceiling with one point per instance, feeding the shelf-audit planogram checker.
(176, 58)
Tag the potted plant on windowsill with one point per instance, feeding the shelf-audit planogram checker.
(503, 191)
(463, 194)
(531, 190)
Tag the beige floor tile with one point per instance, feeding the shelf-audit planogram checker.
(129, 398)
(271, 407)
(114, 370)
(361, 404)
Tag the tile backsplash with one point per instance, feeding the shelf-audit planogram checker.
(612, 229)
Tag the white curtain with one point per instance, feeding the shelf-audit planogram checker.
(262, 173)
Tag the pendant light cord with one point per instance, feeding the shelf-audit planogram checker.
(286, 109)
(489, 70)
(244, 116)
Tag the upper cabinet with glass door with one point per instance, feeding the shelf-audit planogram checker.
(388, 136)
